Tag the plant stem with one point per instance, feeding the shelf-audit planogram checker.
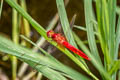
(15, 40)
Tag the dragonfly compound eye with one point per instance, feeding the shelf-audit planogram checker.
(50, 33)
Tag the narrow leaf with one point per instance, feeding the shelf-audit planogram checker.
(64, 22)
(115, 67)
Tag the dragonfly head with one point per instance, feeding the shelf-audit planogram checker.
(50, 33)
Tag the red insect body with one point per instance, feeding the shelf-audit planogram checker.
(75, 50)
(62, 41)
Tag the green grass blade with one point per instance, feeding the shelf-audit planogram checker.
(117, 7)
(93, 60)
(112, 18)
(117, 38)
(46, 71)
(41, 68)
(89, 27)
(85, 49)
(100, 27)
(117, 42)
(105, 20)
(91, 38)
(82, 45)
(115, 67)
(27, 55)
(82, 28)
(103, 30)
(112, 41)
(64, 22)
(15, 38)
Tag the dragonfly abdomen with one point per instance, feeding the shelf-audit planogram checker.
(75, 50)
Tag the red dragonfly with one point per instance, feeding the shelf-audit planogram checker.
(61, 40)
